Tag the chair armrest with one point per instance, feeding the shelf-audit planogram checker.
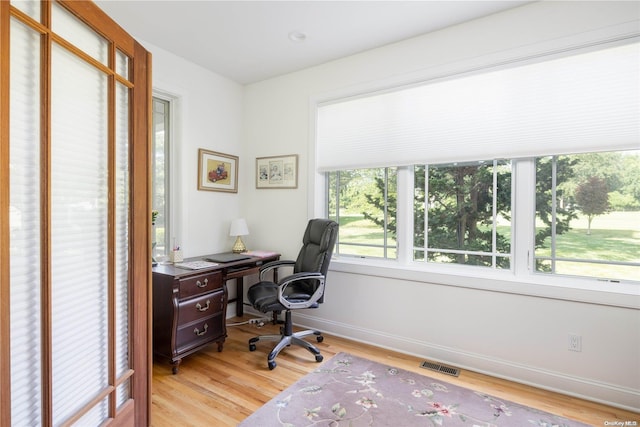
(282, 286)
(265, 268)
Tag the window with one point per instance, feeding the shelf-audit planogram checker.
(160, 179)
(363, 202)
(411, 172)
(588, 215)
(466, 214)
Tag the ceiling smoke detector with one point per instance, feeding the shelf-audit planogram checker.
(297, 36)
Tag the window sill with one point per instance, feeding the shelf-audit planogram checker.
(568, 288)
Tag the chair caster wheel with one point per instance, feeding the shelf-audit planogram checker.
(272, 365)
(252, 347)
(319, 338)
(318, 358)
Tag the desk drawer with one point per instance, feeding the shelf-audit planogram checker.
(201, 307)
(195, 285)
(199, 332)
(233, 273)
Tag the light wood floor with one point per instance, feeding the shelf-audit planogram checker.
(222, 389)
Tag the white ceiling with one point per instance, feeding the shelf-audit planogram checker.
(248, 41)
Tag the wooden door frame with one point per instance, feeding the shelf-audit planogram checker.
(141, 341)
(5, 349)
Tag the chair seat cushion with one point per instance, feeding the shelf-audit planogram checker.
(263, 296)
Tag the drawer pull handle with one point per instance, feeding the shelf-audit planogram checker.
(204, 330)
(202, 284)
(205, 308)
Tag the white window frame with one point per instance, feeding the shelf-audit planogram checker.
(521, 279)
(173, 198)
(554, 258)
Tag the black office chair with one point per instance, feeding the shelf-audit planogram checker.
(304, 288)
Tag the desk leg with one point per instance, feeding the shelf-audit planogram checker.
(239, 297)
(275, 314)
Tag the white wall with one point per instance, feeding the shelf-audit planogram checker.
(522, 337)
(208, 114)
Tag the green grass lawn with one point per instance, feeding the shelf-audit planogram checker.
(357, 229)
(610, 221)
(614, 237)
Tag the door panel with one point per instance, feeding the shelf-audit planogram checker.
(75, 216)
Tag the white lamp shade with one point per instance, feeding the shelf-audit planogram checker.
(238, 227)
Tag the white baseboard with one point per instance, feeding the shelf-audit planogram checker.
(584, 388)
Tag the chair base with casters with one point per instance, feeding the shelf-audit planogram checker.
(286, 338)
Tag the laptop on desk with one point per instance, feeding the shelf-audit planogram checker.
(226, 257)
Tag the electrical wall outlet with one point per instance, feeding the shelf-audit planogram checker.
(575, 342)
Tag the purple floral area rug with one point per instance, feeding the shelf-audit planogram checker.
(350, 391)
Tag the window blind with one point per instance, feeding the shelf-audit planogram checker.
(29, 7)
(584, 102)
(75, 31)
(79, 239)
(24, 223)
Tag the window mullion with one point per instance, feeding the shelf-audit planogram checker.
(426, 212)
(385, 221)
(494, 248)
(404, 212)
(554, 176)
(337, 190)
(523, 208)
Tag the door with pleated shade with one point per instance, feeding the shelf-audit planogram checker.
(74, 218)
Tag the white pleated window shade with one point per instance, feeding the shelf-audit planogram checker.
(29, 7)
(79, 236)
(24, 224)
(122, 64)
(579, 103)
(76, 32)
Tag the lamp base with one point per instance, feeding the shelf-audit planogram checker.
(238, 246)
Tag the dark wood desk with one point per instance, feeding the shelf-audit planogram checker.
(190, 306)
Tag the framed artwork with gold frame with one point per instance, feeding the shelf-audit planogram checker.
(217, 171)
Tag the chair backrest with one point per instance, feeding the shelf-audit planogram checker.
(317, 246)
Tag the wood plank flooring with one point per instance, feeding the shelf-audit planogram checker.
(222, 388)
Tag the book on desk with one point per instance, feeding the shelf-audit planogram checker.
(261, 254)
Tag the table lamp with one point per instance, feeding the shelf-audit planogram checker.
(239, 228)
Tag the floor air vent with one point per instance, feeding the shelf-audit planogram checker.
(454, 372)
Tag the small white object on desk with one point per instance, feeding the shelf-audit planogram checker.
(195, 265)
(176, 255)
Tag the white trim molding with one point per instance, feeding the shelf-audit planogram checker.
(583, 388)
